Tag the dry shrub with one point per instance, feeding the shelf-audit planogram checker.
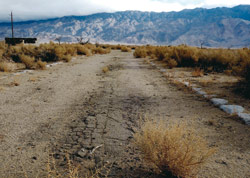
(140, 52)
(161, 53)
(105, 69)
(41, 65)
(71, 50)
(82, 50)
(172, 63)
(6, 67)
(15, 82)
(28, 61)
(100, 50)
(174, 148)
(198, 72)
(125, 49)
(67, 58)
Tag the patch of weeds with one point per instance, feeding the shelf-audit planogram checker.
(41, 65)
(15, 83)
(5, 67)
(197, 73)
(125, 49)
(105, 69)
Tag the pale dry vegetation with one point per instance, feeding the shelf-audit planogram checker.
(36, 57)
(6, 66)
(72, 170)
(229, 61)
(125, 49)
(175, 149)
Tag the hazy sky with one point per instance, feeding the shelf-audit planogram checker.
(36, 9)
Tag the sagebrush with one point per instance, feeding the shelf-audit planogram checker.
(229, 61)
(35, 57)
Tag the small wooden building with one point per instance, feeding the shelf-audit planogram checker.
(14, 41)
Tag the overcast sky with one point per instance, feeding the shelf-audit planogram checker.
(40, 9)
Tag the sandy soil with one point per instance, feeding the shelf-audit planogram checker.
(77, 109)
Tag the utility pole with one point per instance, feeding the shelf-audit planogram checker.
(12, 25)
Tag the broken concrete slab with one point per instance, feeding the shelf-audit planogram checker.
(232, 109)
(218, 101)
(245, 117)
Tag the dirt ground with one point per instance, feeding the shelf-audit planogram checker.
(77, 109)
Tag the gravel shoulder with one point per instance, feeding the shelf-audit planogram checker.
(77, 109)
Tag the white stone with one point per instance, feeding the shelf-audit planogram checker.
(210, 96)
(202, 92)
(218, 101)
(245, 117)
(163, 70)
(196, 89)
(232, 109)
(53, 64)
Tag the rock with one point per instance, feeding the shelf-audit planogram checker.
(232, 109)
(218, 101)
(196, 89)
(186, 83)
(245, 117)
(163, 70)
(209, 96)
(201, 92)
(82, 153)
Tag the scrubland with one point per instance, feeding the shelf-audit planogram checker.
(230, 61)
(174, 149)
(36, 57)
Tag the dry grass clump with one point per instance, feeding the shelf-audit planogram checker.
(100, 50)
(82, 50)
(28, 61)
(6, 67)
(41, 65)
(67, 58)
(140, 52)
(174, 148)
(72, 171)
(197, 72)
(105, 69)
(172, 63)
(125, 49)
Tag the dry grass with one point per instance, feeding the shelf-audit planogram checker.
(105, 69)
(33, 57)
(100, 50)
(41, 65)
(6, 67)
(197, 73)
(15, 83)
(174, 148)
(172, 63)
(230, 61)
(81, 50)
(72, 170)
(28, 61)
(140, 53)
(67, 58)
(125, 49)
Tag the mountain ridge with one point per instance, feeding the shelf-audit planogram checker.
(217, 27)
